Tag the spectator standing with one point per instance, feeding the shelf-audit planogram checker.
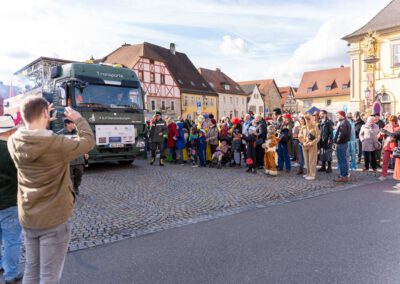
(325, 144)
(10, 229)
(309, 136)
(389, 143)
(77, 166)
(45, 197)
(342, 137)
(369, 138)
(157, 130)
(358, 123)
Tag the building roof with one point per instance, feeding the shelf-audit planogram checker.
(285, 91)
(387, 18)
(263, 85)
(42, 58)
(319, 80)
(217, 80)
(179, 65)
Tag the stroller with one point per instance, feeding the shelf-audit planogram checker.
(222, 156)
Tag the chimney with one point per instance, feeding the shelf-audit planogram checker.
(125, 44)
(172, 48)
(218, 70)
(341, 66)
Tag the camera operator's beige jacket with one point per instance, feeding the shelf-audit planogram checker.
(45, 195)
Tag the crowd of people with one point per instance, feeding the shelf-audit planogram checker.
(280, 142)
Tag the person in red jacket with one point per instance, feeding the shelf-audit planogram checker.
(172, 137)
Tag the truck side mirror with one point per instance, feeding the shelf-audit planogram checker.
(62, 96)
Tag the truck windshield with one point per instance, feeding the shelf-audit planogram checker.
(109, 97)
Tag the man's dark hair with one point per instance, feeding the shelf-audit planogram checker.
(324, 112)
(377, 114)
(277, 111)
(357, 114)
(32, 108)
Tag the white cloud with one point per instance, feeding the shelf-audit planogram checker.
(233, 46)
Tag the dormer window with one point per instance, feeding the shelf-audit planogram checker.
(192, 83)
(328, 88)
(345, 86)
(227, 87)
(211, 84)
(204, 85)
(309, 90)
(180, 81)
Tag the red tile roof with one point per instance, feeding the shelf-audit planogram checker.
(323, 78)
(181, 68)
(217, 79)
(263, 85)
(285, 91)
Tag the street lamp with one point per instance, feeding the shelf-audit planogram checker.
(366, 97)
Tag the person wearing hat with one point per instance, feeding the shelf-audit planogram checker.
(157, 130)
(76, 167)
(10, 229)
(341, 139)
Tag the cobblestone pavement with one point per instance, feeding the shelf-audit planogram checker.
(118, 202)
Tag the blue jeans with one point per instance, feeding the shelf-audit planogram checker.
(283, 157)
(10, 234)
(202, 156)
(180, 153)
(341, 154)
(301, 162)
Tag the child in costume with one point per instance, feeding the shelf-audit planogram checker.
(251, 150)
(194, 146)
(236, 134)
(202, 147)
(219, 154)
(270, 152)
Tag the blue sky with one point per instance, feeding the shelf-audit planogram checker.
(246, 39)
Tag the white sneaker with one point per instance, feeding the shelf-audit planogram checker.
(382, 178)
(305, 176)
(195, 166)
(295, 165)
(310, 178)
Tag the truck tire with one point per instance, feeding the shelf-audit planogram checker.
(125, 162)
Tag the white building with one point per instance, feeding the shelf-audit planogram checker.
(232, 100)
(255, 100)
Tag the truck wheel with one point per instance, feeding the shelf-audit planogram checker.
(125, 162)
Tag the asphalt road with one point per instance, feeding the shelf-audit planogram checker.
(350, 236)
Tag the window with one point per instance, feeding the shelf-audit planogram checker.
(211, 102)
(242, 100)
(162, 78)
(237, 88)
(185, 100)
(230, 100)
(328, 102)
(237, 100)
(163, 105)
(211, 84)
(151, 61)
(180, 81)
(153, 105)
(152, 77)
(192, 83)
(172, 105)
(328, 88)
(396, 55)
(204, 85)
(309, 90)
(192, 101)
(205, 102)
(307, 103)
(140, 74)
(227, 87)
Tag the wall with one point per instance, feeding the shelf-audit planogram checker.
(228, 103)
(272, 98)
(209, 104)
(256, 103)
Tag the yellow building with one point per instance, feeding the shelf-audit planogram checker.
(325, 89)
(195, 104)
(374, 51)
